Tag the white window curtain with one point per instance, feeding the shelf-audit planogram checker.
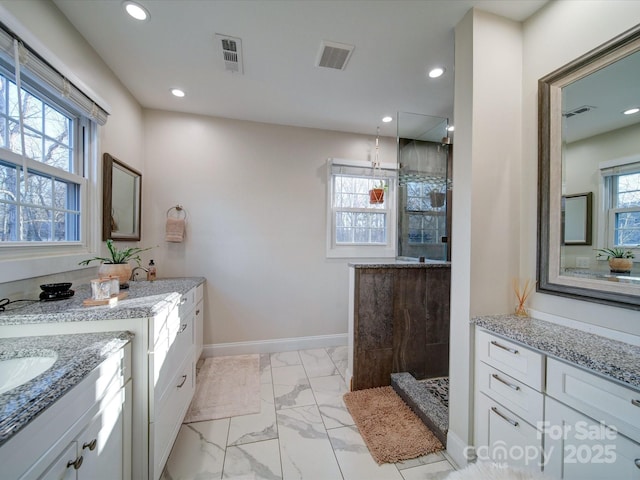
(31, 64)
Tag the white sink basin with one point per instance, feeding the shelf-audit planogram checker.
(17, 371)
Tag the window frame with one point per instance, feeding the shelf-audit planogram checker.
(609, 172)
(362, 169)
(21, 260)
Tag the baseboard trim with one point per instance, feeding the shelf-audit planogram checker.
(458, 451)
(274, 346)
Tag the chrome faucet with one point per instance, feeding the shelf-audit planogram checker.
(133, 272)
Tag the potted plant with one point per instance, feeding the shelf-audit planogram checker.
(117, 264)
(620, 260)
(376, 194)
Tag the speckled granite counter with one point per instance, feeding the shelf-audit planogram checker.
(402, 264)
(77, 356)
(610, 358)
(144, 300)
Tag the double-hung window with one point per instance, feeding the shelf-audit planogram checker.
(621, 181)
(48, 163)
(45, 204)
(356, 225)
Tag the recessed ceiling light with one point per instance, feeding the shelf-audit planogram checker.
(631, 111)
(387, 119)
(436, 72)
(136, 10)
(176, 92)
(450, 128)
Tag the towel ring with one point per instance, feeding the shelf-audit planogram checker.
(179, 209)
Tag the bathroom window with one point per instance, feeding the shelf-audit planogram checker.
(356, 227)
(46, 205)
(49, 210)
(622, 203)
(426, 212)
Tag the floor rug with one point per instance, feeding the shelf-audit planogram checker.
(226, 387)
(388, 426)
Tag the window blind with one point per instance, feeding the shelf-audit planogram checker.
(360, 168)
(619, 167)
(33, 65)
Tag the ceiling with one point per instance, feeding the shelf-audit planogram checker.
(396, 43)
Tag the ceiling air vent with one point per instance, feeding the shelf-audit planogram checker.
(231, 49)
(578, 111)
(334, 55)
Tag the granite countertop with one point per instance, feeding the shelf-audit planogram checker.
(77, 356)
(611, 358)
(402, 264)
(144, 299)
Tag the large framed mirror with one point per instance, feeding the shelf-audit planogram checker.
(589, 141)
(121, 202)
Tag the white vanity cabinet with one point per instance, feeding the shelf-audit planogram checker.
(586, 425)
(509, 402)
(199, 320)
(592, 425)
(163, 370)
(84, 435)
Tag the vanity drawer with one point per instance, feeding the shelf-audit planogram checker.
(501, 431)
(511, 358)
(522, 400)
(173, 346)
(187, 301)
(171, 409)
(601, 399)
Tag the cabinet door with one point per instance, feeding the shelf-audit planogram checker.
(63, 467)
(503, 437)
(580, 448)
(101, 443)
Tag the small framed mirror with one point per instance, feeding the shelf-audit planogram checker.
(576, 219)
(121, 201)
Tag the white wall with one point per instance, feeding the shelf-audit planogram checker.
(587, 24)
(255, 195)
(486, 210)
(121, 136)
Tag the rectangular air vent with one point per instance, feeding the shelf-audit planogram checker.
(231, 52)
(578, 111)
(334, 55)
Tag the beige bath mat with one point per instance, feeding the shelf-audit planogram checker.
(388, 426)
(226, 387)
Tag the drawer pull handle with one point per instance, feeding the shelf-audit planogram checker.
(635, 402)
(198, 312)
(637, 462)
(510, 385)
(184, 379)
(90, 445)
(510, 350)
(183, 300)
(183, 327)
(76, 464)
(512, 422)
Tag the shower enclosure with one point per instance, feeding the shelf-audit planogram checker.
(424, 180)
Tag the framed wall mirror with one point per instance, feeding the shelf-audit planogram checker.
(121, 202)
(576, 219)
(589, 126)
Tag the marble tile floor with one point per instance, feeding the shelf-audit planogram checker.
(303, 431)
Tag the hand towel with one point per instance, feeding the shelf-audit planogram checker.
(175, 230)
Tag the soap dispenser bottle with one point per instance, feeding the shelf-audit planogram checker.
(151, 271)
